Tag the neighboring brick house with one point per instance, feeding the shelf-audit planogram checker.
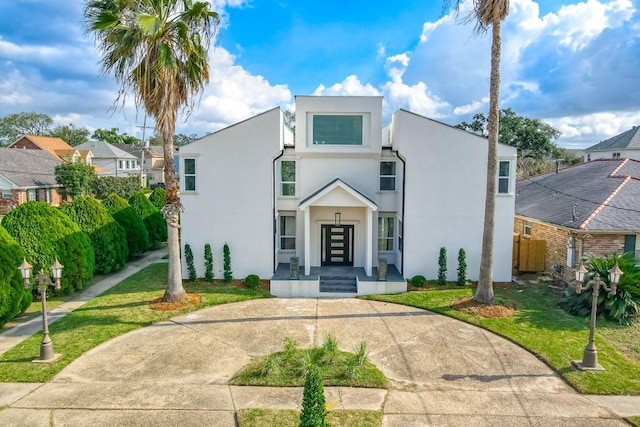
(592, 207)
(56, 147)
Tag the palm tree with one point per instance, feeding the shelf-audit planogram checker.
(489, 13)
(157, 49)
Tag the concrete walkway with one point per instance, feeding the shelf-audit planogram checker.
(441, 371)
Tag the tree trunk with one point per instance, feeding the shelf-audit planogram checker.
(484, 291)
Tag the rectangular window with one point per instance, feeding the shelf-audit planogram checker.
(32, 194)
(571, 251)
(385, 233)
(630, 246)
(288, 177)
(616, 155)
(288, 232)
(503, 177)
(337, 129)
(400, 234)
(189, 174)
(387, 176)
(120, 164)
(6, 194)
(527, 228)
(588, 157)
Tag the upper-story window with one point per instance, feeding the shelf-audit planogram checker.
(616, 155)
(504, 179)
(288, 177)
(340, 129)
(189, 174)
(387, 175)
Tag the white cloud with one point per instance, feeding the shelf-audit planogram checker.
(351, 85)
(473, 107)
(585, 130)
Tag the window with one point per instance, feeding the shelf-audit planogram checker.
(189, 174)
(337, 129)
(588, 157)
(288, 232)
(6, 194)
(571, 251)
(526, 228)
(503, 177)
(631, 247)
(288, 177)
(400, 233)
(120, 164)
(387, 176)
(32, 194)
(616, 155)
(385, 233)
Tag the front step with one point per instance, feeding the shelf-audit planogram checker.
(339, 284)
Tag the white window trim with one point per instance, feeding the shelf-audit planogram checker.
(510, 187)
(287, 236)
(393, 237)
(6, 194)
(295, 182)
(526, 224)
(394, 176)
(185, 175)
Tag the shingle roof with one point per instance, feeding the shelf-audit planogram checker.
(104, 150)
(597, 195)
(28, 168)
(629, 139)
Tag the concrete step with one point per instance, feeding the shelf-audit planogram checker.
(342, 284)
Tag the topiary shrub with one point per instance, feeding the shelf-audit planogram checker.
(108, 238)
(442, 266)
(313, 409)
(188, 257)
(44, 233)
(157, 197)
(208, 263)
(252, 281)
(462, 268)
(152, 218)
(135, 231)
(226, 253)
(14, 298)
(418, 281)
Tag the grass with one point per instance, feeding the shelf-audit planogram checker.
(121, 309)
(634, 420)
(290, 418)
(548, 332)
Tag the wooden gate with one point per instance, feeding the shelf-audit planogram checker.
(528, 255)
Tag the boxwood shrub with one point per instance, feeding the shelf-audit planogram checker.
(157, 197)
(136, 233)
(14, 298)
(108, 238)
(44, 233)
(151, 217)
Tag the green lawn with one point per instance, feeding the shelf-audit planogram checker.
(551, 334)
(290, 418)
(121, 309)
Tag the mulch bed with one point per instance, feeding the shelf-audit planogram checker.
(469, 306)
(158, 304)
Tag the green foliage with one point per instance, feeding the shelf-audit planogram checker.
(124, 187)
(622, 307)
(157, 197)
(252, 281)
(113, 136)
(313, 409)
(290, 345)
(16, 125)
(70, 134)
(44, 233)
(135, 230)
(13, 297)
(462, 268)
(76, 178)
(188, 256)
(418, 281)
(108, 238)
(226, 254)
(208, 263)
(152, 218)
(178, 139)
(442, 266)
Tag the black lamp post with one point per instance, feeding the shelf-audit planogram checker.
(589, 360)
(46, 347)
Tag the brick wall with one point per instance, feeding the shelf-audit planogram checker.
(604, 244)
(25, 143)
(20, 196)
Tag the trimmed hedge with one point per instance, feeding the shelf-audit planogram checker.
(124, 187)
(44, 233)
(14, 298)
(108, 238)
(157, 197)
(152, 218)
(136, 233)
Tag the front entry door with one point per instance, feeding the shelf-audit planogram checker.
(337, 245)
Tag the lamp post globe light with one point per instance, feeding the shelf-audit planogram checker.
(46, 347)
(589, 360)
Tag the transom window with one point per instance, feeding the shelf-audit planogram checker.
(287, 232)
(387, 175)
(288, 177)
(385, 232)
(189, 174)
(337, 129)
(503, 176)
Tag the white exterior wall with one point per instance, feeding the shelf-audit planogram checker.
(445, 195)
(233, 201)
(608, 154)
(111, 167)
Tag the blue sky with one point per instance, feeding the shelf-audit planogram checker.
(575, 64)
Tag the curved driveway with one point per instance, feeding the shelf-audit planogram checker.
(441, 371)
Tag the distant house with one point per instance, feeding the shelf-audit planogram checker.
(153, 161)
(623, 146)
(592, 207)
(112, 160)
(27, 175)
(56, 147)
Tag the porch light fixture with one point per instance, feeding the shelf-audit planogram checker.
(337, 217)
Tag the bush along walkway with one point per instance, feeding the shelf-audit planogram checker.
(23, 330)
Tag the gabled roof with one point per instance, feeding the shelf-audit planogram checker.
(47, 143)
(599, 195)
(629, 140)
(28, 168)
(331, 187)
(104, 150)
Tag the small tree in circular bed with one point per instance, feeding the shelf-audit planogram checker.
(14, 298)
(44, 233)
(157, 197)
(108, 238)
(152, 218)
(136, 232)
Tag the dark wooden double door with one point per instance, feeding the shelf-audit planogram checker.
(337, 245)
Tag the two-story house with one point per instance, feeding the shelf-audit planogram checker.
(625, 145)
(344, 194)
(111, 160)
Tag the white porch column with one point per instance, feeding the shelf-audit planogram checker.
(368, 261)
(307, 241)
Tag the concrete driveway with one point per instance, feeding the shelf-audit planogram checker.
(442, 372)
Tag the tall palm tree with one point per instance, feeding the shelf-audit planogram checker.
(157, 49)
(489, 13)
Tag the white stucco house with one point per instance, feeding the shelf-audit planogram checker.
(344, 194)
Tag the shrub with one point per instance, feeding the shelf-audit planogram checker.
(226, 252)
(157, 197)
(75, 178)
(442, 267)
(418, 281)
(462, 268)
(124, 187)
(108, 238)
(135, 231)
(151, 217)
(188, 256)
(44, 233)
(313, 410)
(252, 281)
(14, 298)
(208, 263)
